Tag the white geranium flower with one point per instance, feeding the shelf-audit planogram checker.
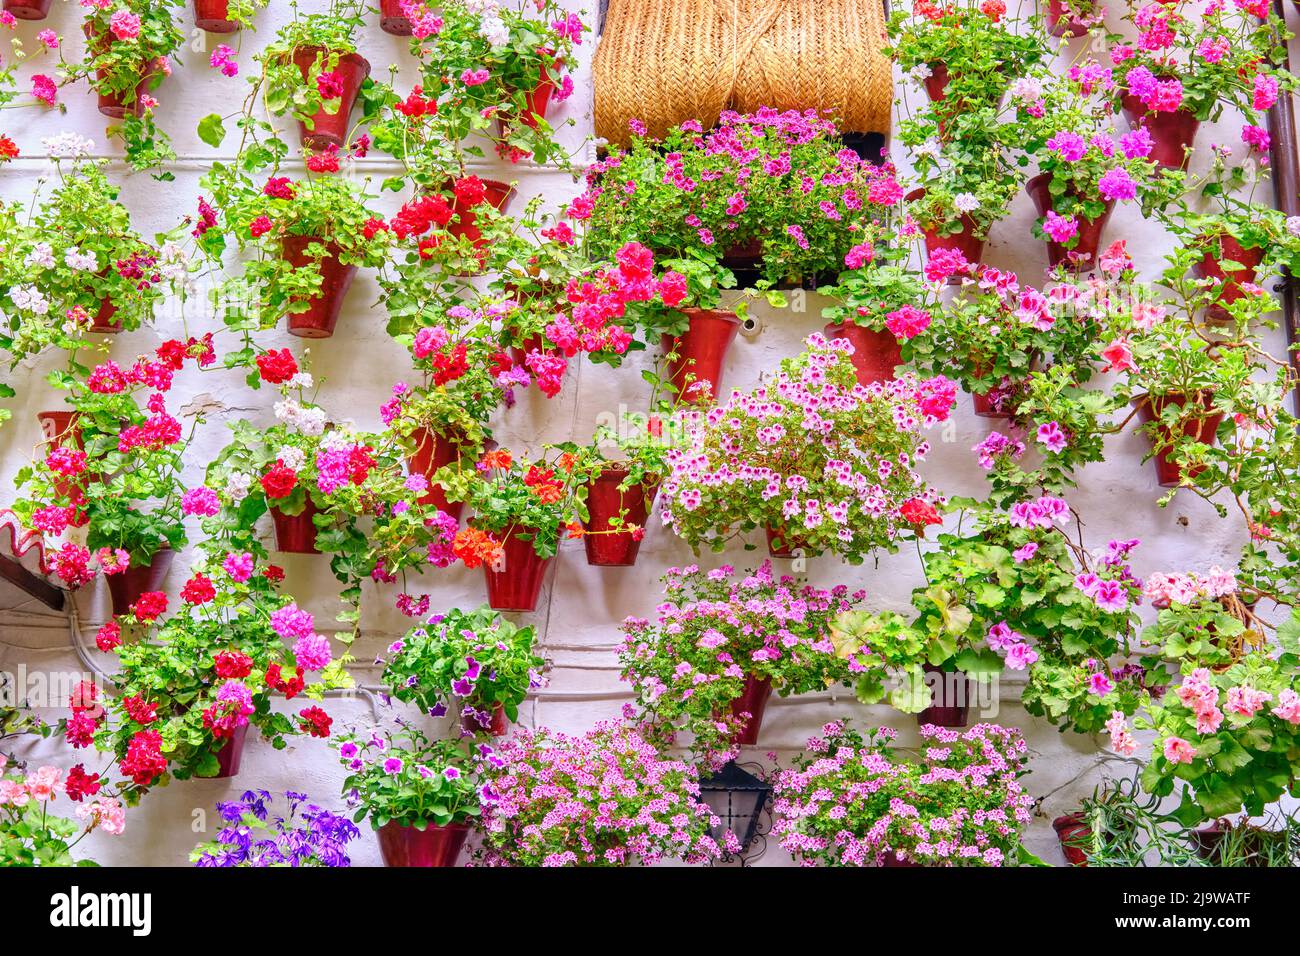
(27, 298)
(921, 72)
(68, 146)
(494, 31)
(965, 202)
(74, 258)
(41, 256)
(288, 411)
(237, 486)
(1293, 226)
(301, 380)
(292, 457)
(311, 421)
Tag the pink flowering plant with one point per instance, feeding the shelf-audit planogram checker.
(716, 631)
(475, 661)
(607, 798)
(850, 490)
(130, 46)
(853, 800)
(402, 776)
(32, 833)
(878, 290)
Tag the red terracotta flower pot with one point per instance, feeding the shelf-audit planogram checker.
(295, 534)
(125, 587)
(213, 16)
(465, 222)
(1172, 133)
(401, 845)
(1217, 249)
(1084, 254)
(60, 428)
(949, 699)
(748, 255)
(392, 20)
(936, 84)
(518, 583)
(336, 278)
(875, 354)
(1071, 828)
(984, 406)
(889, 859)
(28, 9)
(231, 753)
(102, 320)
(963, 241)
(1151, 407)
(753, 701)
(115, 105)
(615, 549)
(536, 102)
(332, 129)
(497, 723)
(434, 451)
(701, 351)
(1061, 25)
(780, 546)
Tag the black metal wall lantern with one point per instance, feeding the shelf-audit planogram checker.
(738, 799)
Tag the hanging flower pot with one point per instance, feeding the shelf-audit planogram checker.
(392, 20)
(115, 105)
(465, 222)
(335, 279)
(1064, 23)
(518, 583)
(493, 722)
(295, 534)
(779, 545)
(331, 129)
(213, 16)
(102, 320)
(752, 700)
(1069, 829)
(59, 427)
(231, 753)
(949, 701)
(433, 451)
(605, 501)
(536, 102)
(701, 350)
(435, 845)
(1252, 844)
(891, 860)
(28, 9)
(1151, 407)
(1172, 133)
(876, 354)
(125, 587)
(746, 255)
(1218, 249)
(936, 84)
(1084, 254)
(963, 240)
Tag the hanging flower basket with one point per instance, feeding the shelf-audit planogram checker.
(102, 321)
(230, 755)
(323, 310)
(1218, 249)
(701, 351)
(1172, 133)
(435, 845)
(780, 545)
(213, 16)
(465, 223)
(496, 725)
(125, 587)
(536, 102)
(605, 501)
(752, 700)
(295, 534)
(1069, 829)
(1151, 407)
(1084, 254)
(392, 20)
(28, 9)
(115, 105)
(949, 701)
(57, 426)
(876, 354)
(433, 451)
(518, 583)
(331, 129)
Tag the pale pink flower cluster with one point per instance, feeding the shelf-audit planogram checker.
(1187, 588)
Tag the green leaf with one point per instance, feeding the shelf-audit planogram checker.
(212, 130)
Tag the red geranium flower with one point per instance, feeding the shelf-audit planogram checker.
(277, 366)
(280, 481)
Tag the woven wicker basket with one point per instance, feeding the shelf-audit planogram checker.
(665, 61)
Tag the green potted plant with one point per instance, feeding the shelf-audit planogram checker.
(31, 835)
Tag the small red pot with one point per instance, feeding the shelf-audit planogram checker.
(963, 241)
(615, 549)
(336, 278)
(115, 105)
(497, 725)
(949, 701)
(701, 350)
(58, 427)
(295, 534)
(1069, 828)
(1219, 248)
(875, 354)
(984, 407)
(1090, 230)
(890, 860)
(1150, 407)
(1061, 25)
(779, 546)
(536, 103)
(466, 221)
(433, 451)
(392, 20)
(102, 321)
(517, 585)
(435, 845)
(125, 587)
(213, 16)
(28, 9)
(1172, 134)
(752, 700)
(936, 84)
(332, 129)
(229, 756)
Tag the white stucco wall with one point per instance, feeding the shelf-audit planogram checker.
(581, 606)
